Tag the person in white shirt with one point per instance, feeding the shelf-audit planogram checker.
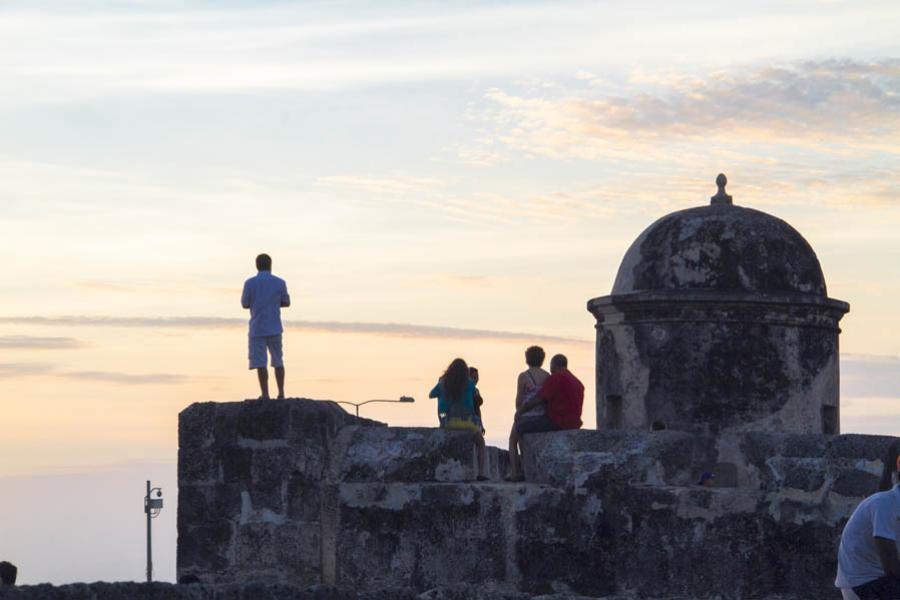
(867, 558)
(265, 295)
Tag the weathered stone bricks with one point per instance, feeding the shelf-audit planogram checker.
(311, 495)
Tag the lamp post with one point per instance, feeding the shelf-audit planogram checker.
(358, 404)
(152, 508)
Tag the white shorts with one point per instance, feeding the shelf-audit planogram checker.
(258, 346)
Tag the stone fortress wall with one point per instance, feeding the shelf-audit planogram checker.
(300, 492)
(717, 351)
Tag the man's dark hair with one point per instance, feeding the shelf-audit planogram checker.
(890, 467)
(559, 361)
(263, 262)
(8, 572)
(534, 356)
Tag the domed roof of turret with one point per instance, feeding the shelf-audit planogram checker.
(721, 247)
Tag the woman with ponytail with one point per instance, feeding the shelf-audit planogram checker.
(455, 392)
(868, 566)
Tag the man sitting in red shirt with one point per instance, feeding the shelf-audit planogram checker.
(563, 394)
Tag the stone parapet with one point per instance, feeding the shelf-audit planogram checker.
(300, 493)
(575, 458)
(258, 482)
(848, 465)
(396, 454)
(249, 481)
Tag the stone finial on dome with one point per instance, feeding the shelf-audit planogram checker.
(721, 197)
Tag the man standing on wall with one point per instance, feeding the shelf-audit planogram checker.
(265, 295)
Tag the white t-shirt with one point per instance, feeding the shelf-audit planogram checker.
(876, 516)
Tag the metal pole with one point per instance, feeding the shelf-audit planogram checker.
(356, 405)
(149, 547)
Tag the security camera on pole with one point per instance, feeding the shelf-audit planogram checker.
(152, 508)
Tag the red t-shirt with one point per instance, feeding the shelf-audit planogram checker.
(565, 396)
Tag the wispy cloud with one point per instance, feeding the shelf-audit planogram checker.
(186, 47)
(29, 342)
(480, 153)
(390, 329)
(262, 46)
(430, 331)
(11, 370)
(845, 100)
(145, 287)
(480, 207)
(18, 370)
(557, 206)
(95, 321)
(106, 286)
(126, 378)
(802, 131)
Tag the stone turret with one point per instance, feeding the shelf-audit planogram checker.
(718, 321)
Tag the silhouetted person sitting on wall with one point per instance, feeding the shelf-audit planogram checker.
(479, 401)
(867, 557)
(8, 572)
(563, 396)
(455, 392)
(527, 388)
(265, 295)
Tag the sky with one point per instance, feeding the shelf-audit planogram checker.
(432, 179)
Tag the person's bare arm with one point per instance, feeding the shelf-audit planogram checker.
(520, 388)
(887, 552)
(536, 401)
(246, 299)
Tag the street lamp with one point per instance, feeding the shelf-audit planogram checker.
(358, 404)
(152, 508)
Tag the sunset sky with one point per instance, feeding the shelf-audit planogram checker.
(432, 179)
